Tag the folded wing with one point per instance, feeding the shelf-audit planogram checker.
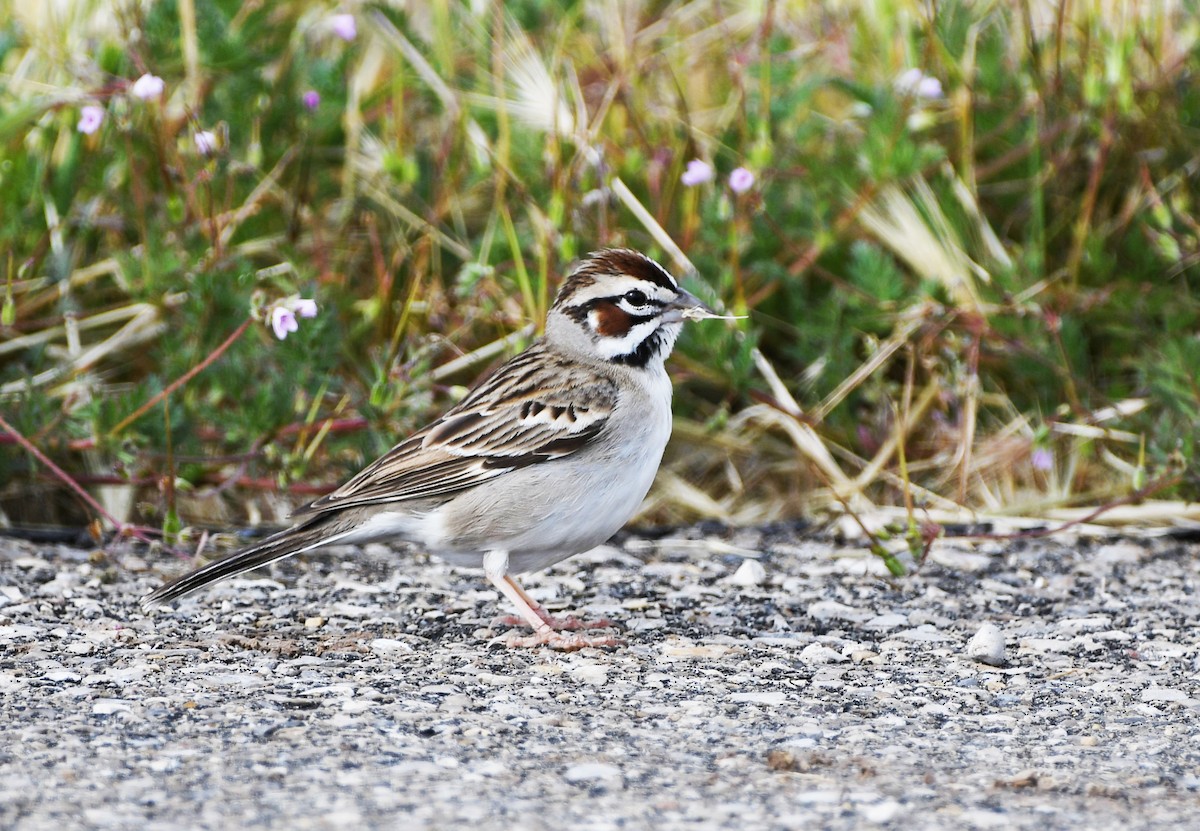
(523, 415)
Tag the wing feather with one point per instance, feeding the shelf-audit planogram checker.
(534, 409)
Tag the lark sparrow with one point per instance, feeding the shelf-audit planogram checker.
(546, 458)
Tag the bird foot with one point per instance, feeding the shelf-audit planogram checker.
(559, 624)
(556, 640)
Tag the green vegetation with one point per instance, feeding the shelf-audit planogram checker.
(966, 253)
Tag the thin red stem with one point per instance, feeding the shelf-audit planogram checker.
(182, 379)
(71, 483)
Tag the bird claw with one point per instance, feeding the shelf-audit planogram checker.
(556, 640)
(560, 624)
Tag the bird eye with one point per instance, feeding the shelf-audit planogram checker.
(637, 297)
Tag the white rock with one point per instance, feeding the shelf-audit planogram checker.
(108, 706)
(1121, 552)
(588, 771)
(987, 646)
(1078, 625)
(816, 653)
(759, 697)
(1154, 694)
(1159, 650)
(887, 621)
(60, 675)
(880, 812)
(749, 573)
(594, 674)
(389, 646)
(644, 624)
(10, 633)
(490, 767)
(832, 610)
(958, 559)
(127, 674)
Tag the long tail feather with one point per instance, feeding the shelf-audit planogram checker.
(275, 547)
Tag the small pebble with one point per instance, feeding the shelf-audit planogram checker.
(389, 646)
(820, 698)
(108, 706)
(590, 771)
(816, 653)
(749, 573)
(987, 646)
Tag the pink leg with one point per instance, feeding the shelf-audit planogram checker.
(558, 624)
(543, 633)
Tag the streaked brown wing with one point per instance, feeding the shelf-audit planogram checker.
(533, 409)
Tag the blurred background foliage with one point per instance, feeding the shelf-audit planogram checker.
(967, 254)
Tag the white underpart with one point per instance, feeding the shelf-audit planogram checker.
(495, 564)
(423, 528)
(610, 347)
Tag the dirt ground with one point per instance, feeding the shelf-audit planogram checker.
(766, 680)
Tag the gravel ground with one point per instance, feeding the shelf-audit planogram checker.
(768, 680)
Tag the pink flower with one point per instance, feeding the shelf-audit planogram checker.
(284, 312)
(344, 26)
(311, 99)
(90, 118)
(907, 80)
(915, 82)
(929, 88)
(697, 173)
(741, 180)
(1041, 459)
(147, 87)
(206, 143)
(283, 321)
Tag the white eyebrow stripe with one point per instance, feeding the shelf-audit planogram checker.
(611, 289)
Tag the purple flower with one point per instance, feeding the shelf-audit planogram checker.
(283, 321)
(90, 118)
(697, 173)
(929, 87)
(1041, 459)
(311, 99)
(915, 82)
(907, 80)
(344, 26)
(284, 312)
(206, 143)
(147, 87)
(741, 180)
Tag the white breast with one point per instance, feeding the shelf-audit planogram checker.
(547, 512)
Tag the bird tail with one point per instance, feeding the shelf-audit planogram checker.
(313, 534)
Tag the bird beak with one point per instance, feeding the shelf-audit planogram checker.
(688, 306)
